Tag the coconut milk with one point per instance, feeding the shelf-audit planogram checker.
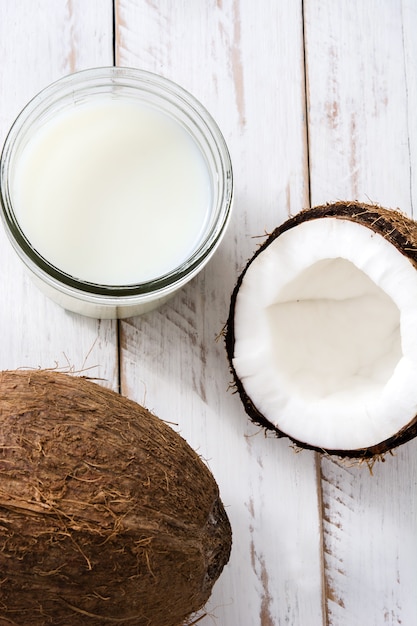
(113, 192)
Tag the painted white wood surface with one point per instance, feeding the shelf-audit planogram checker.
(316, 542)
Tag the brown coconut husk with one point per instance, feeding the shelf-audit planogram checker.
(401, 231)
(107, 516)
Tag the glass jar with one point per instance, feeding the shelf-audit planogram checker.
(76, 291)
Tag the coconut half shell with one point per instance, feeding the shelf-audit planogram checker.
(106, 514)
(321, 335)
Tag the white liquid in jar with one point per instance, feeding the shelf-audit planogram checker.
(113, 193)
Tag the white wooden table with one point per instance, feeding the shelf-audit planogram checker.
(317, 100)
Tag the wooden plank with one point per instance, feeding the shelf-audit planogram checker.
(244, 61)
(357, 118)
(41, 41)
(361, 61)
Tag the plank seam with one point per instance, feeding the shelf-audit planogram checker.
(114, 27)
(322, 517)
(306, 101)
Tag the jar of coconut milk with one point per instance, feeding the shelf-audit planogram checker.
(115, 189)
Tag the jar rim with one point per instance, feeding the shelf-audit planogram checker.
(143, 81)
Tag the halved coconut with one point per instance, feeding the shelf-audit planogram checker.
(322, 330)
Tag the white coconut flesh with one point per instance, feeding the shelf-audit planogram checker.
(326, 335)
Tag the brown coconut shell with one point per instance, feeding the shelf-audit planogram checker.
(107, 516)
(397, 228)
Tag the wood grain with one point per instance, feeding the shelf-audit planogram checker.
(361, 62)
(244, 61)
(40, 41)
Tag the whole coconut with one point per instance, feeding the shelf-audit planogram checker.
(106, 514)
